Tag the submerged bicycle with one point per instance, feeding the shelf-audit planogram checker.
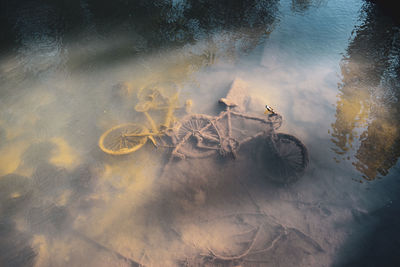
(200, 135)
(129, 137)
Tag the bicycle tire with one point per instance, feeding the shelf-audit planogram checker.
(193, 128)
(114, 142)
(290, 159)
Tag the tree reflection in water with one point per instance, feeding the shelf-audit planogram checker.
(369, 96)
(146, 26)
(301, 6)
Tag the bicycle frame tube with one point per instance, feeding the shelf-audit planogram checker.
(141, 134)
(151, 121)
(226, 142)
(228, 114)
(170, 111)
(229, 121)
(250, 117)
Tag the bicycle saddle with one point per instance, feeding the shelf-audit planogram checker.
(227, 102)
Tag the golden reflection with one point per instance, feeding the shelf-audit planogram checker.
(10, 156)
(376, 148)
(64, 155)
(352, 110)
(367, 126)
(379, 148)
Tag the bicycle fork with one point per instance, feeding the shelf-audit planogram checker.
(272, 143)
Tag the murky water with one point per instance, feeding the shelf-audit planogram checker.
(69, 73)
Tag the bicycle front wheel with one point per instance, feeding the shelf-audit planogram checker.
(123, 139)
(290, 161)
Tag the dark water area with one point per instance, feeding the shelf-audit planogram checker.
(138, 26)
(72, 70)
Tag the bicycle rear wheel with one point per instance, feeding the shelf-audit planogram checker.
(117, 140)
(290, 159)
(197, 137)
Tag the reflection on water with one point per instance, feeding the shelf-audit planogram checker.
(69, 72)
(302, 6)
(368, 108)
(132, 28)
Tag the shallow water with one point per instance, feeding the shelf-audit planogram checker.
(330, 68)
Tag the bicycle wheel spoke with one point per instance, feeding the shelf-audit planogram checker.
(292, 158)
(121, 139)
(197, 137)
(115, 144)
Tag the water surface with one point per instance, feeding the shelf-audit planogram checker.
(330, 68)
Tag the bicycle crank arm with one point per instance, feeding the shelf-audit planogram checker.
(153, 141)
